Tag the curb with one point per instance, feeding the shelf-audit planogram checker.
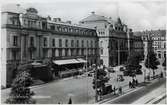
(126, 92)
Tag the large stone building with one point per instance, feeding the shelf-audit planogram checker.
(28, 36)
(116, 40)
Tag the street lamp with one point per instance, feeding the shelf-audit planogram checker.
(144, 75)
(95, 77)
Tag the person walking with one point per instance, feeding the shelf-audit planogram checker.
(114, 90)
(133, 83)
(130, 84)
(136, 82)
(70, 101)
(120, 90)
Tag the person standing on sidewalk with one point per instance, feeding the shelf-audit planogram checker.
(120, 90)
(70, 101)
(136, 82)
(130, 84)
(114, 90)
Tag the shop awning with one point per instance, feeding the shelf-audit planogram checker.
(69, 61)
(81, 60)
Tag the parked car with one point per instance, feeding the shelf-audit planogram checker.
(139, 72)
(92, 71)
(90, 75)
(120, 78)
(107, 89)
(36, 62)
(125, 73)
(111, 70)
(122, 69)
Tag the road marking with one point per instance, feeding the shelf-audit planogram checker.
(122, 95)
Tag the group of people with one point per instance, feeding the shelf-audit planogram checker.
(133, 83)
(119, 90)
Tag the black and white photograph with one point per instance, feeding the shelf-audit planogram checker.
(83, 51)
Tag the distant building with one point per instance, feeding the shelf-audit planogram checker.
(157, 40)
(116, 40)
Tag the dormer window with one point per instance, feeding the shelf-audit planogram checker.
(105, 26)
(44, 25)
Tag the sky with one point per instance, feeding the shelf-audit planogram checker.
(137, 14)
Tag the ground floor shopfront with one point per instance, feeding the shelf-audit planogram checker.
(74, 63)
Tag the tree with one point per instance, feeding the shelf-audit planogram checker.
(100, 79)
(133, 63)
(152, 62)
(20, 92)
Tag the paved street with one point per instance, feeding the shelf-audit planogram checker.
(79, 89)
(135, 95)
(153, 97)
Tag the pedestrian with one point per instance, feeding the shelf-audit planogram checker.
(120, 90)
(161, 74)
(133, 83)
(136, 82)
(130, 84)
(70, 101)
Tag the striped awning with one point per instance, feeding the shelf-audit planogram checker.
(69, 61)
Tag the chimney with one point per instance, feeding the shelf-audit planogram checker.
(69, 22)
(57, 19)
(49, 18)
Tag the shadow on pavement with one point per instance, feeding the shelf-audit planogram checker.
(143, 84)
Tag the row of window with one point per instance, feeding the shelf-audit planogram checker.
(61, 28)
(45, 42)
(75, 52)
(158, 38)
(160, 55)
(44, 25)
(119, 28)
(69, 42)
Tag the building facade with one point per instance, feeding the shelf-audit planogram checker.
(28, 36)
(157, 42)
(116, 40)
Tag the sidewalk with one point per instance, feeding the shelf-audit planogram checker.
(152, 97)
(126, 90)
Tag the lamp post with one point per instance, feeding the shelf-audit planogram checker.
(144, 75)
(95, 77)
